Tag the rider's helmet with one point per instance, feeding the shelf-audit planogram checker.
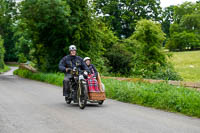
(72, 47)
(86, 58)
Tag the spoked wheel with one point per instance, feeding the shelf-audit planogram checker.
(100, 102)
(82, 96)
(68, 101)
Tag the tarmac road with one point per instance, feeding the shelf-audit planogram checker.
(28, 106)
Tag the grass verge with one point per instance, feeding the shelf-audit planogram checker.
(159, 95)
(6, 68)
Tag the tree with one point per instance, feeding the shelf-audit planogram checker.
(45, 23)
(88, 33)
(122, 15)
(184, 32)
(2, 51)
(167, 19)
(190, 22)
(148, 55)
(183, 41)
(7, 14)
(46, 33)
(184, 9)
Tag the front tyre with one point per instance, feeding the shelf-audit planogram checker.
(82, 95)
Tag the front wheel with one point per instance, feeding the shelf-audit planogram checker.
(68, 101)
(82, 95)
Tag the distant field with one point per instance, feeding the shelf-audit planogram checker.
(187, 64)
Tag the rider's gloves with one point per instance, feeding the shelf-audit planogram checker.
(85, 73)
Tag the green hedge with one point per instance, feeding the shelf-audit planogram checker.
(2, 52)
(158, 95)
(5, 69)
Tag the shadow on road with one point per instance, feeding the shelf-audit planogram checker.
(89, 105)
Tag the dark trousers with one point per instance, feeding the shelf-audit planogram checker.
(66, 85)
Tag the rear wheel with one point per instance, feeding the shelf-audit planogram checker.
(82, 95)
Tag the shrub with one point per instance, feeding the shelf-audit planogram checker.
(166, 73)
(2, 52)
(120, 59)
(183, 41)
(150, 38)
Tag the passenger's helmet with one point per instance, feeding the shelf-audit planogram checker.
(72, 47)
(86, 58)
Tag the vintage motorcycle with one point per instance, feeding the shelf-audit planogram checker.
(78, 88)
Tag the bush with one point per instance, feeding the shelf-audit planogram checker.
(183, 41)
(120, 59)
(150, 37)
(2, 52)
(149, 59)
(165, 73)
(6, 68)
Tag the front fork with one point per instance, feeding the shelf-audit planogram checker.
(83, 88)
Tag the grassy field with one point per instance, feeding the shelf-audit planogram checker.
(187, 64)
(5, 69)
(158, 95)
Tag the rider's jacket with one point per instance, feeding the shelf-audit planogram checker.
(71, 62)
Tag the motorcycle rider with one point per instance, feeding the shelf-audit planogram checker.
(66, 65)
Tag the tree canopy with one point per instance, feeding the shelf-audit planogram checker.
(122, 37)
(184, 32)
(122, 15)
(7, 18)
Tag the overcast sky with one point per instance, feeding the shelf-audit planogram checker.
(166, 3)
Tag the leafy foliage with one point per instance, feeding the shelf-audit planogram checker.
(122, 15)
(45, 41)
(149, 36)
(2, 52)
(141, 54)
(184, 33)
(42, 31)
(44, 21)
(7, 18)
(183, 41)
(167, 19)
(120, 59)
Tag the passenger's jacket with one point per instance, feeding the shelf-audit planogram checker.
(93, 70)
(71, 62)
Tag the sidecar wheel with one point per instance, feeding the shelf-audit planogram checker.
(100, 102)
